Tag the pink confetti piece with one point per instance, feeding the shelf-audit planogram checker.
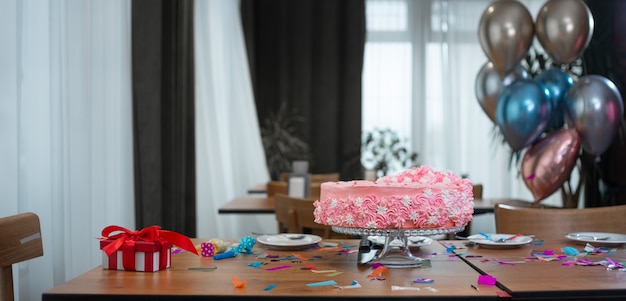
(487, 279)
(279, 268)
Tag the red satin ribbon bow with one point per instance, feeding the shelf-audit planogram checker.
(126, 240)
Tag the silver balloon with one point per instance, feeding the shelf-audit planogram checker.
(506, 32)
(564, 28)
(595, 109)
(489, 84)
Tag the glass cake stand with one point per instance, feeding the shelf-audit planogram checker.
(396, 255)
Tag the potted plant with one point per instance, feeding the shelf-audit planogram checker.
(282, 141)
(383, 151)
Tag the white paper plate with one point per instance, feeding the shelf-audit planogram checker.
(285, 241)
(413, 241)
(486, 243)
(597, 238)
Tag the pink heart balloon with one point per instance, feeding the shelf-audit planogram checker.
(549, 162)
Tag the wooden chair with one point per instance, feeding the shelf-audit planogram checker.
(20, 240)
(275, 187)
(546, 223)
(477, 190)
(316, 177)
(295, 215)
(285, 214)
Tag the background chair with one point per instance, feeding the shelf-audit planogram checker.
(295, 215)
(20, 240)
(477, 189)
(275, 187)
(316, 177)
(547, 223)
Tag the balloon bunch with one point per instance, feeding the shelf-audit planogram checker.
(551, 116)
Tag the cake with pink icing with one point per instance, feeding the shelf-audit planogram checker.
(418, 198)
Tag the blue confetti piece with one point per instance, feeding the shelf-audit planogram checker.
(255, 264)
(322, 283)
(269, 287)
(570, 251)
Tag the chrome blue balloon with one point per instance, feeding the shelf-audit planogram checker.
(523, 112)
(558, 82)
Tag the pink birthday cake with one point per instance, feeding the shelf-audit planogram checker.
(418, 198)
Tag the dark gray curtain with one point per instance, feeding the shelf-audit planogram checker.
(309, 55)
(163, 114)
(605, 181)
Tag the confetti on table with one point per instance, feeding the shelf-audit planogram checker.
(300, 257)
(309, 267)
(255, 264)
(487, 279)
(322, 283)
(279, 268)
(323, 271)
(269, 287)
(570, 251)
(404, 288)
(238, 283)
(379, 272)
(354, 284)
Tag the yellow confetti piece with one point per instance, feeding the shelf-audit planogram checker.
(333, 274)
(323, 271)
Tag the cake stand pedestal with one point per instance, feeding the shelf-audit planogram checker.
(396, 255)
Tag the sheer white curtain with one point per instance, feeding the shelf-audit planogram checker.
(437, 53)
(230, 157)
(65, 112)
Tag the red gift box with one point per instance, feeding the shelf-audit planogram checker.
(146, 250)
(144, 257)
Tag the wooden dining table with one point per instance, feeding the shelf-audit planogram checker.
(285, 274)
(452, 273)
(550, 269)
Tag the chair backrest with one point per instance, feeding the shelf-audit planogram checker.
(20, 240)
(556, 222)
(285, 214)
(275, 187)
(477, 189)
(297, 215)
(316, 177)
